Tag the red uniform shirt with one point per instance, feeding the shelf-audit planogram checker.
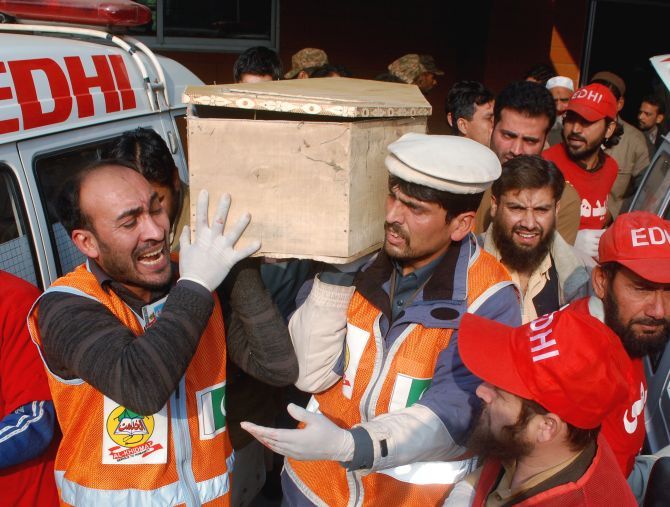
(624, 428)
(22, 380)
(592, 187)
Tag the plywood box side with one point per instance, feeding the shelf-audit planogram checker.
(292, 177)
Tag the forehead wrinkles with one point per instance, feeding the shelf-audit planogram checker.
(112, 190)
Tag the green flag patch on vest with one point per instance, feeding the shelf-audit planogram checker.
(407, 391)
(212, 410)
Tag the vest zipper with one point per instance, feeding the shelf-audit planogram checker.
(182, 447)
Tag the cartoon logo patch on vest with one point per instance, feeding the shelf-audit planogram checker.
(130, 438)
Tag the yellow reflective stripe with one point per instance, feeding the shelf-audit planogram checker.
(432, 472)
(169, 495)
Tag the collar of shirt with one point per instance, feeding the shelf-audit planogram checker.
(408, 284)
(128, 297)
(652, 134)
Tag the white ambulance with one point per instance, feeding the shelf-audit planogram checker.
(66, 93)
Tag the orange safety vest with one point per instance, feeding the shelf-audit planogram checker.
(180, 456)
(601, 484)
(385, 381)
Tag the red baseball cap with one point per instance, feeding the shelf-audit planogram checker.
(640, 241)
(593, 102)
(567, 361)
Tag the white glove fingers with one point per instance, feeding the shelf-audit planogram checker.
(248, 250)
(201, 210)
(236, 231)
(221, 215)
(298, 413)
(185, 237)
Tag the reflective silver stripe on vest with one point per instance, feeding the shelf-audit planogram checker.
(75, 494)
(432, 472)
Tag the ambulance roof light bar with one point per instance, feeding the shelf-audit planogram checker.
(117, 13)
(98, 34)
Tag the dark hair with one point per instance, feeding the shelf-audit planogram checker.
(530, 99)
(655, 101)
(148, 152)
(389, 78)
(529, 171)
(578, 438)
(541, 72)
(68, 202)
(259, 61)
(453, 204)
(328, 69)
(462, 98)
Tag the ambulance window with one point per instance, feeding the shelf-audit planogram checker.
(51, 171)
(16, 251)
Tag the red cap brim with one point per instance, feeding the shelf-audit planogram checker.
(486, 349)
(656, 270)
(586, 112)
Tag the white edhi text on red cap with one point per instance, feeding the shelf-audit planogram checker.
(647, 236)
(588, 95)
(540, 325)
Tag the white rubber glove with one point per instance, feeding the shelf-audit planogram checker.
(320, 439)
(209, 258)
(587, 241)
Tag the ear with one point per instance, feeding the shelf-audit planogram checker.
(176, 182)
(494, 206)
(462, 225)
(462, 125)
(659, 119)
(599, 282)
(609, 130)
(86, 242)
(303, 75)
(619, 104)
(450, 120)
(558, 207)
(547, 428)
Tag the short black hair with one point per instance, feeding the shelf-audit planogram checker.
(453, 204)
(328, 69)
(259, 61)
(656, 101)
(462, 98)
(529, 171)
(68, 202)
(147, 151)
(527, 98)
(540, 72)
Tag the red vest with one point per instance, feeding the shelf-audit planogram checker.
(592, 187)
(602, 484)
(624, 428)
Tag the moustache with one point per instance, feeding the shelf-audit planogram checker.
(651, 322)
(395, 229)
(149, 246)
(521, 229)
(576, 137)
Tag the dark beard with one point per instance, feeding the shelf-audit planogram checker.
(636, 346)
(507, 446)
(587, 152)
(516, 258)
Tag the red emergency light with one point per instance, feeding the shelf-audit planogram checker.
(84, 12)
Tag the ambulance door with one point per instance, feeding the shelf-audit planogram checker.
(50, 160)
(18, 221)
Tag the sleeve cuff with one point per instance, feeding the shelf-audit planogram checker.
(363, 450)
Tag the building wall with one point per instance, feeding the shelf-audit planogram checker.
(494, 42)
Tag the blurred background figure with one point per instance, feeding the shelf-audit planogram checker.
(304, 60)
(539, 73)
(649, 119)
(469, 108)
(416, 69)
(561, 89)
(257, 64)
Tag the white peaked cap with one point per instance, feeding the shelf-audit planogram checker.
(563, 81)
(450, 163)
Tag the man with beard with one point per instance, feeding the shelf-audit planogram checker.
(394, 400)
(632, 296)
(548, 386)
(523, 236)
(523, 114)
(122, 339)
(650, 119)
(589, 121)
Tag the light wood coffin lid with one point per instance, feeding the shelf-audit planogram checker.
(336, 96)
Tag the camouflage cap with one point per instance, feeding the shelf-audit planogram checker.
(409, 67)
(305, 58)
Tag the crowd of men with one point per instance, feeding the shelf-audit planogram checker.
(491, 353)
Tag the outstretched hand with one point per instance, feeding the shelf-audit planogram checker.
(319, 439)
